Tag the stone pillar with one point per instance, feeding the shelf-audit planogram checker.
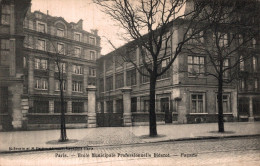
(17, 115)
(91, 106)
(25, 108)
(251, 114)
(69, 106)
(127, 106)
(114, 106)
(51, 106)
(30, 74)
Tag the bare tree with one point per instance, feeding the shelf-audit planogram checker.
(233, 27)
(55, 53)
(149, 25)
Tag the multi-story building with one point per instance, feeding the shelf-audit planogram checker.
(49, 41)
(12, 13)
(182, 95)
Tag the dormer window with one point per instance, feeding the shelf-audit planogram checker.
(60, 32)
(38, 15)
(41, 27)
(92, 40)
(77, 36)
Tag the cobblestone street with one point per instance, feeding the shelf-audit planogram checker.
(239, 151)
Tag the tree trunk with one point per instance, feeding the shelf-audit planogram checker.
(220, 104)
(63, 135)
(152, 115)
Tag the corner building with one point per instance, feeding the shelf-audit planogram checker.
(184, 94)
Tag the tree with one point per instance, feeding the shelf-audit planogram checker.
(55, 54)
(233, 27)
(149, 25)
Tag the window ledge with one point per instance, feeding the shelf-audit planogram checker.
(204, 113)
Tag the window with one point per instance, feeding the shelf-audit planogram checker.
(225, 66)
(146, 105)
(92, 72)
(62, 67)
(92, 40)
(61, 48)
(6, 13)
(256, 84)
(24, 62)
(41, 84)
(254, 43)
(77, 51)
(226, 103)
(134, 104)
(109, 106)
(77, 86)
(92, 56)
(101, 85)
(41, 27)
(38, 15)
(242, 64)
(28, 41)
(194, 36)
(223, 40)
(57, 85)
(242, 84)
(5, 44)
(145, 79)
(77, 69)
(131, 77)
(40, 107)
(57, 107)
(60, 32)
(109, 83)
(31, 24)
(196, 65)
(41, 45)
(119, 80)
(119, 106)
(41, 64)
(255, 64)
(77, 36)
(92, 81)
(77, 107)
(240, 39)
(160, 69)
(197, 104)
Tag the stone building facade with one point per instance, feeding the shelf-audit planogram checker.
(181, 96)
(44, 43)
(12, 13)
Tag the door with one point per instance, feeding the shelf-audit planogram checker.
(165, 107)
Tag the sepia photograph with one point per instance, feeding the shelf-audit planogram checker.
(130, 82)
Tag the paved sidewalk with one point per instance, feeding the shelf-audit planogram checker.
(31, 140)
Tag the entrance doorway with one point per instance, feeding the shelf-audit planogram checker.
(165, 107)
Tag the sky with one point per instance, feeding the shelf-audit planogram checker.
(93, 18)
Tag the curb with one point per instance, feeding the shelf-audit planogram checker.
(151, 142)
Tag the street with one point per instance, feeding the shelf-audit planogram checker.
(231, 151)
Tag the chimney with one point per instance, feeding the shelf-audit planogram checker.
(94, 31)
